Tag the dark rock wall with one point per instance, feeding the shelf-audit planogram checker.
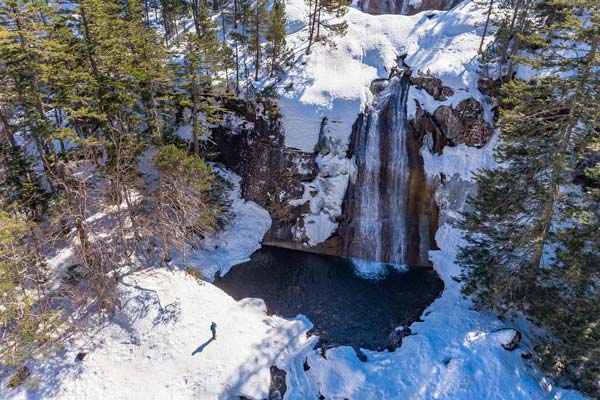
(377, 7)
(272, 174)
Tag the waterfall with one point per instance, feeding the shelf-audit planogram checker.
(381, 184)
(404, 9)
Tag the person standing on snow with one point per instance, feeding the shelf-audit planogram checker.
(213, 329)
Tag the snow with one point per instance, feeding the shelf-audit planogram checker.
(157, 345)
(460, 160)
(242, 237)
(334, 81)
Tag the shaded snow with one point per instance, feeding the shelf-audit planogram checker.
(242, 237)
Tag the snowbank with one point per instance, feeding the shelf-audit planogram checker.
(238, 241)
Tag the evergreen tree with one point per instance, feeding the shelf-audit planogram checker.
(276, 34)
(28, 322)
(532, 241)
(316, 22)
(258, 30)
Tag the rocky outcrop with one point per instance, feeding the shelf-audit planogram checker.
(464, 124)
(406, 7)
(272, 174)
(449, 126)
(278, 386)
(433, 86)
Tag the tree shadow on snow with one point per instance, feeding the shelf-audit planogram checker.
(202, 346)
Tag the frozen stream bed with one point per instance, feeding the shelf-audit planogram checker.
(344, 308)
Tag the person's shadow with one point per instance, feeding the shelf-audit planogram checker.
(202, 346)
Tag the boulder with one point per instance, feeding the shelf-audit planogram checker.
(464, 124)
(433, 86)
(514, 342)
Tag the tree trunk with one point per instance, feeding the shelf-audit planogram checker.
(163, 224)
(485, 27)
(257, 41)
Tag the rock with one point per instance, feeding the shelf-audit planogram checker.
(80, 356)
(464, 124)
(514, 343)
(360, 354)
(423, 126)
(379, 85)
(18, 378)
(305, 365)
(377, 7)
(278, 386)
(433, 86)
(526, 356)
(272, 174)
(489, 87)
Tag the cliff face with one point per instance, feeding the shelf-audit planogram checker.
(405, 7)
(272, 174)
(388, 212)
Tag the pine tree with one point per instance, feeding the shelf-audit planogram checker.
(200, 74)
(276, 34)
(533, 241)
(258, 30)
(28, 322)
(316, 22)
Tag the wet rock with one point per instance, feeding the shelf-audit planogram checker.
(464, 124)
(305, 365)
(526, 356)
(18, 378)
(379, 85)
(377, 7)
(433, 86)
(514, 342)
(278, 386)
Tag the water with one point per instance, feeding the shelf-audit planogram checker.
(381, 186)
(344, 308)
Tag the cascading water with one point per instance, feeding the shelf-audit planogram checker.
(381, 184)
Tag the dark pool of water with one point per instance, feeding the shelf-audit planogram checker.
(344, 308)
